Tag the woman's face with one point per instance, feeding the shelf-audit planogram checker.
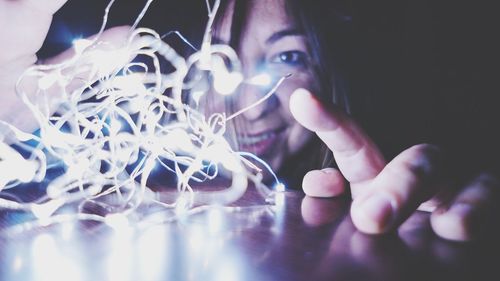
(270, 43)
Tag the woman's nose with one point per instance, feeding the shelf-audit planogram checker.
(249, 96)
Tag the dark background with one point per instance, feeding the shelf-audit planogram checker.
(419, 71)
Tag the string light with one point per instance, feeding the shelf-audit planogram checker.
(111, 120)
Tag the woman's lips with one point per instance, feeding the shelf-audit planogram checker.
(260, 143)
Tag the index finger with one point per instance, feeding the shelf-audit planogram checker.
(357, 156)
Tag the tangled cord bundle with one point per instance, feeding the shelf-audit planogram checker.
(111, 119)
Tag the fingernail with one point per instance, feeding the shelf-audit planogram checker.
(378, 209)
(328, 170)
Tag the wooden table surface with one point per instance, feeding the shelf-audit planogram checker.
(299, 238)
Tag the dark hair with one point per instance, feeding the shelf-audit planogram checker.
(323, 26)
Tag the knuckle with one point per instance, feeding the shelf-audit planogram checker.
(425, 150)
(424, 159)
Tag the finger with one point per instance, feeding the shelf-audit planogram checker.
(356, 155)
(321, 211)
(461, 219)
(23, 27)
(114, 37)
(16, 113)
(327, 182)
(408, 180)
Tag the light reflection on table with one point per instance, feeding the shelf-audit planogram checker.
(296, 239)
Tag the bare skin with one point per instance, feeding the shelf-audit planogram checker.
(384, 193)
(26, 23)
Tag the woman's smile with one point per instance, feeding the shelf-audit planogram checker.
(269, 41)
(260, 143)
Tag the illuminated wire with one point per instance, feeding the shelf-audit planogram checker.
(112, 122)
(259, 101)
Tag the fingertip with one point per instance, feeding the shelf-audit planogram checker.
(472, 214)
(454, 223)
(297, 99)
(374, 214)
(328, 182)
(301, 93)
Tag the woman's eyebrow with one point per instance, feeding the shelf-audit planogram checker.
(283, 33)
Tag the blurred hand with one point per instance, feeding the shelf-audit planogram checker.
(386, 194)
(23, 27)
(24, 24)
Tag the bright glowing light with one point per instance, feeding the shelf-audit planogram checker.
(152, 253)
(226, 83)
(119, 264)
(50, 263)
(67, 230)
(181, 206)
(106, 62)
(18, 264)
(14, 166)
(196, 239)
(178, 139)
(132, 84)
(222, 153)
(262, 79)
(117, 120)
(280, 187)
(229, 270)
(44, 211)
(279, 200)
(81, 44)
(118, 222)
(215, 221)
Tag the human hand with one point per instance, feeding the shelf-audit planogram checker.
(24, 24)
(23, 27)
(386, 194)
(392, 257)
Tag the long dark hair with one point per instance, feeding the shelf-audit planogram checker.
(324, 27)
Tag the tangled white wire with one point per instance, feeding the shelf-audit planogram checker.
(111, 120)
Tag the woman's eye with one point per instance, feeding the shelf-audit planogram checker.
(292, 58)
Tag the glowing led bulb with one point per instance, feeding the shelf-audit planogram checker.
(280, 187)
(116, 120)
(45, 210)
(226, 83)
(78, 167)
(179, 139)
(132, 84)
(81, 44)
(262, 79)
